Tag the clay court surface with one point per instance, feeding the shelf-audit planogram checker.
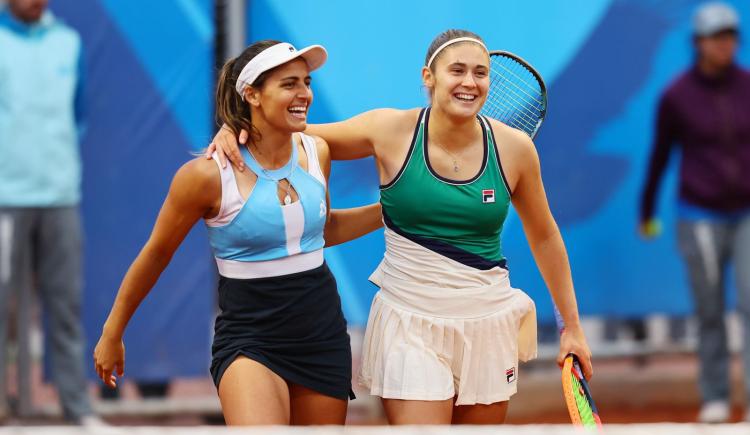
(628, 390)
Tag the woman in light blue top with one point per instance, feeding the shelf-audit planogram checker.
(281, 353)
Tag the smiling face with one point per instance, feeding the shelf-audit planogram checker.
(284, 98)
(459, 79)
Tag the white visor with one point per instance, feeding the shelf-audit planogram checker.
(279, 54)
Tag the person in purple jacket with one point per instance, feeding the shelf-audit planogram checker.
(706, 112)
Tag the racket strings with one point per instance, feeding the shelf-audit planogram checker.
(515, 96)
(519, 88)
(531, 91)
(510, 90)
(582, 403)
(509, 102)
(509, 113)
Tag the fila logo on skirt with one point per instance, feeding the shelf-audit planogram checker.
(510, 375)
(488, 196)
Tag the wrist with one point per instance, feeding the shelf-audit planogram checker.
(109, 332)
(574, 325)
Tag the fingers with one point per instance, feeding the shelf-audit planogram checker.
(243, 136)
(98, 370)
(107, 377)
(105, 374)
(561, 358)
(586, 367)
(210, 150)
(234, 155)
(222, 159)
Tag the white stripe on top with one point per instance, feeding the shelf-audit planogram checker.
(313, 162)
(294, 225)
(269, 268)
(231, 200)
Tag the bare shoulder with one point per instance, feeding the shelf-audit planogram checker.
(322, 147)
(390, 119)
(199, 176)
(200, 168)
(514, 143)
(392, 128)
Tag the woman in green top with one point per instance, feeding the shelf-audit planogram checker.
(446, 329)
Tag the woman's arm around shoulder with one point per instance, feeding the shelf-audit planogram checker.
(366, 134)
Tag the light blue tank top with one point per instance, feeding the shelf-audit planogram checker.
(261, 229)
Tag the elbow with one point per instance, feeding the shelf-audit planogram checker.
(543, 236)
(331, 239)
(157, 255)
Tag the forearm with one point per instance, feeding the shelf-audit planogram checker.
(664, 137)
(350, 223)
(657, 164)
(349, 139)
(552, 259)
(140, 278)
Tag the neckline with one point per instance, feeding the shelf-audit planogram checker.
(426, 154)
(724, 78)
(271, 174)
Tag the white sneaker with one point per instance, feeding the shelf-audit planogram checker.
(715, 411)
(92, 421)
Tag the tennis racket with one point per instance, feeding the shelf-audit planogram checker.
(578, 399)
(517, 95)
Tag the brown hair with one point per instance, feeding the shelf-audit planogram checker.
(442, 39)
(231, 107)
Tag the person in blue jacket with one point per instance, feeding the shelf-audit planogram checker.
(41, 82)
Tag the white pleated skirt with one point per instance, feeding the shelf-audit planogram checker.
(438, 329)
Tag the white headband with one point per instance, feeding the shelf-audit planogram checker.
(453, 41)
(275, 55)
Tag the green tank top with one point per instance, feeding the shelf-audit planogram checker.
(461, 220)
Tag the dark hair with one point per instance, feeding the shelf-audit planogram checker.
(231, 108)
(445, 37)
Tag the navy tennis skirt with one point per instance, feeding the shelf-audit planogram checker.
(292, 324)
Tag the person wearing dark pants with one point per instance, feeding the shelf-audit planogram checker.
(706, 111)
(40, 176)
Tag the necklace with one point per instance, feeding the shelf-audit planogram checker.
(267, 175)
(287, 191)
(453, 156)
